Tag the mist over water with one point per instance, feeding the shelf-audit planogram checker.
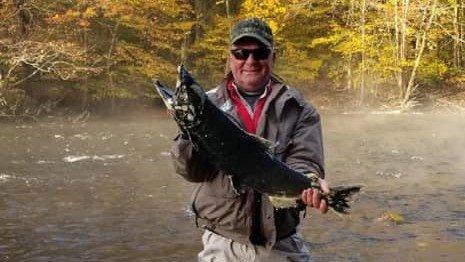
(106, 190)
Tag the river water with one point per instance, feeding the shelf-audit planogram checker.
(105, 190)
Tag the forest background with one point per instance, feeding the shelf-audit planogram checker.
(101, 55)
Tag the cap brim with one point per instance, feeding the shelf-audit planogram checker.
(254, 36)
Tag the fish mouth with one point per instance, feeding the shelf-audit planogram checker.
(166, 94)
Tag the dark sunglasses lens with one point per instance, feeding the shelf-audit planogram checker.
(258, 54)
(240, 54)
(261, 53)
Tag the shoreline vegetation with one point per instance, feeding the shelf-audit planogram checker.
(85, 58)
(154, 108)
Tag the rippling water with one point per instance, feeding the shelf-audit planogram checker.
(105, 190)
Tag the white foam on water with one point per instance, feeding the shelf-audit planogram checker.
(395, 151)
(98, 158)
(419, 158)
(82, 136)
(74, 158)
(390, 112)
(111, 156)
(42, 162)
(18, 162)
(4, 177)
(24, 127)
(106, 137)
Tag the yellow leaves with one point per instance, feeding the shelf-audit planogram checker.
(273, 25)
(72, 14)
(56, 19)
(83, 23)
(66, 17)
(90, 12)
(75, 17)
(273, 11)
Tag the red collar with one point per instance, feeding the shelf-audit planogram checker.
(248, 119)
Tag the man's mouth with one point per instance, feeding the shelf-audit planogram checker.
(250, 72)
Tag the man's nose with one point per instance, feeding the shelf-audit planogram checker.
(250, 60)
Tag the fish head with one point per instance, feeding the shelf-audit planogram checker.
(189, 99)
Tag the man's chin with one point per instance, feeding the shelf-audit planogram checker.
(252, 85)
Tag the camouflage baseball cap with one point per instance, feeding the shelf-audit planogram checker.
(254, 28)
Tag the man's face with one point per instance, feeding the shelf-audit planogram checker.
(252, 72)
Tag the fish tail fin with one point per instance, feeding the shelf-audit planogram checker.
(339, 198)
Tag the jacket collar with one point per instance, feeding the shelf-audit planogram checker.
(279, 92)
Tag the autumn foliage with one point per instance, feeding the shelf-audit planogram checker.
(86, 52)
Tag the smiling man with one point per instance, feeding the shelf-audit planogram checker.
(244, 226)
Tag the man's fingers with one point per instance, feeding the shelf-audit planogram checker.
(313, 198)
(307, 196)
(316, 197)
(323, 206)
(324, 185)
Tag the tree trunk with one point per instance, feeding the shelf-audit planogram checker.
(349, 24)
(459, 50)
(362, 69)
(403, 37)
(461, 22)
(398, 56)
(456, 44)
(114, 37)
(200, 9)
(85, 98)
(228, 10)
(22, 33)
(410, 85)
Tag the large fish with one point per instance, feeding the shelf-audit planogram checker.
(242, 156)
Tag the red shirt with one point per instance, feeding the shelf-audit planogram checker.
(248, 119)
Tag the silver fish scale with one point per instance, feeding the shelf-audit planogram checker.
(185, 112)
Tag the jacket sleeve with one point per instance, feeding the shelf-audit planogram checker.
(305, 152)
(189, 163)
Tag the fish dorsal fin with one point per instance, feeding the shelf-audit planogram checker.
(267, 145)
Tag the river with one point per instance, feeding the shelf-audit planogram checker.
(105, 190)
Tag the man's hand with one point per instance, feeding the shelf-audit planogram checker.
(312, 197)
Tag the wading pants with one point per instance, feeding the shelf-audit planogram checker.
(219, 248)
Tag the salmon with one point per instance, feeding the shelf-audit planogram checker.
(242, 156)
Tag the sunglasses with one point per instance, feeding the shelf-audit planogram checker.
(258, 54)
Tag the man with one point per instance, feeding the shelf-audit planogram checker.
(245, 226)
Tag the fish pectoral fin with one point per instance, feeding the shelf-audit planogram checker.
(237, 188)
(283, 201)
